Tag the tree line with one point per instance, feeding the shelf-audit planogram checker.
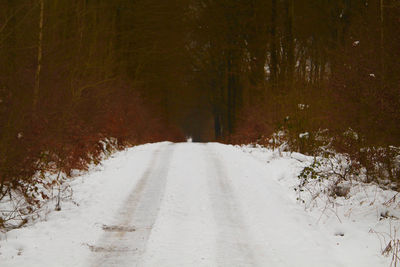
(75, 82)
(264, 58)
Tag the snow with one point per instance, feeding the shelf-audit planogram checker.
(354, 223)
(192, 204)
(304, 135)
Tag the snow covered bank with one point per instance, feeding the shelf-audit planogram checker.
(362, 223)
(65, 237)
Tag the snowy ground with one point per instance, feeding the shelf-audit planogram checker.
(192, 204)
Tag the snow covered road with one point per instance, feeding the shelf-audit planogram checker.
(183, 204)
(125, 240)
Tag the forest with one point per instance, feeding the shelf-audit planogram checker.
(81, 77)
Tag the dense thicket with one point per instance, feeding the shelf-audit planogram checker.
(73, 72)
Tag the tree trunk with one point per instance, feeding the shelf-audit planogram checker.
(274, 56)
(382, 44)
(290, 61)
(39, 57)
(217, 125)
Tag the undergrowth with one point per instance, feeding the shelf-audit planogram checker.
(22, 200)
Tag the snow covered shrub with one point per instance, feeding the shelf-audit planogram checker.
(278, 141)
(331, 175)
(313, 171)
(23, 201)
(303, 133)
(382, 164)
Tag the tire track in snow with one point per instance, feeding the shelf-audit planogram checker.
(124, 243)
(233, 246)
